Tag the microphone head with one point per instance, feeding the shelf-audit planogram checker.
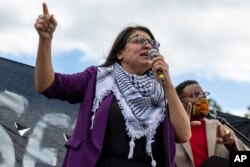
(213, 114)
(152, 53)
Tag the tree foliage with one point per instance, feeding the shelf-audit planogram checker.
(214, 105)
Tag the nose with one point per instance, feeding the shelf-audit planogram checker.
(147, 45)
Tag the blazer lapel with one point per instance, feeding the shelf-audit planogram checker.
(211, 128)
(187, 148)
(100, 121)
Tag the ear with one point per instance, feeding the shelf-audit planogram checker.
(119, 55)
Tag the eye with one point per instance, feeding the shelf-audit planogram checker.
(142, 40)
(200, 94)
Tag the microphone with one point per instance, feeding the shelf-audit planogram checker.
(152, 53)
(213, 114)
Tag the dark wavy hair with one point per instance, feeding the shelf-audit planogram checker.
(121, 41)
(179, 88)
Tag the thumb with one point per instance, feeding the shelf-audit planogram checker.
(189, 109)
(195, 123)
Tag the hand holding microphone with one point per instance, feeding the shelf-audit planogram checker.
(158, 62)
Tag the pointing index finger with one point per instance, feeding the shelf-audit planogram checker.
(45, 9)
(218, 131)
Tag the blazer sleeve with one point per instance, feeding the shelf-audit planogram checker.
(240, 146)
(70, 87)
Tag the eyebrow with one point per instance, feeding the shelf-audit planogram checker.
(136, 35)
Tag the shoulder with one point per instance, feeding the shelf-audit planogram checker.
(89, 72)
(211, 122)
(92, 69)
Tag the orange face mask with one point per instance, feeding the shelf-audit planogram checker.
(200, 108)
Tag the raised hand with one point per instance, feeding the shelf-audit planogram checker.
(225, 135)
(159, 64)
(189, 110)
(45, 24)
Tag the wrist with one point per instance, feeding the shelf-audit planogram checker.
(168, 84)
(231, 146)
(45, 39)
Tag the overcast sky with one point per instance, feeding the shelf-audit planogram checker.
(206, 40)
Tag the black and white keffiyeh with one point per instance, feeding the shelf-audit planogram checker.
(140, 99)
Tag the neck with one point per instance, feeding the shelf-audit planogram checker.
(137, 71)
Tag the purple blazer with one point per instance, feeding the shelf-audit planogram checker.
(85, 145)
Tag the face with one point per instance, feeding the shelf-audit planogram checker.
(134, 57)
(195, 95)
(188, 91)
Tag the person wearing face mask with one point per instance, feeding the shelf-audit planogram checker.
(123, 119)
(209, 137)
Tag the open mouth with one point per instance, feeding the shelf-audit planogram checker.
(144, 54)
